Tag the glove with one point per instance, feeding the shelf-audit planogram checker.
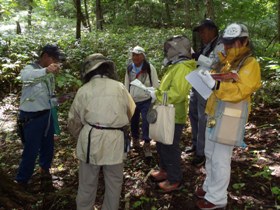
(153, 95)
(207, 78)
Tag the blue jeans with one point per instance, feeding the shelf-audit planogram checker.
(170, 156)
(141, 108)
(198, 121)
(38, 133)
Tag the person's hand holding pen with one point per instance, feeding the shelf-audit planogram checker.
(53, 68)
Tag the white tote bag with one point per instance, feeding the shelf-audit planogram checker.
(162, 130)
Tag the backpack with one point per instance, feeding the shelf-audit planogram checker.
(146, 67)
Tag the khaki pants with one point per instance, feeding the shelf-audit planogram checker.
(88, 183)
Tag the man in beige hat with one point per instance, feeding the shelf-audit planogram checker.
(100, 110)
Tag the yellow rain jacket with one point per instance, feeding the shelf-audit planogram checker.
(177, 88)
(249, 79)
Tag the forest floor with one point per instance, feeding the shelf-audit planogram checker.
(255, 175)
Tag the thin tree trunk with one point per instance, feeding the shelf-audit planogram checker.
(99, 16)
(209, 9)
(188, 14)
(167, 11)
(279, 21)
(87, 16)
(78, 23)
(29, 15)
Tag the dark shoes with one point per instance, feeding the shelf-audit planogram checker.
(167, 187)
(159, 175)
(199, 192)
(206, 205)
(198, 161)
(190, 149)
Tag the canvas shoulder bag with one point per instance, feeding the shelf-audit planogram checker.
(228, 124)
(161, 128)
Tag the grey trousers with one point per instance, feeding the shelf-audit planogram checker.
(198, 121)
(170, 156)
(88, 183)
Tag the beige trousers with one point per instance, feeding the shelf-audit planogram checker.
(88, 183)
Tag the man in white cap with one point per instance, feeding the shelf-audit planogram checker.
(146, 73)
(100, 110)
(238, 58)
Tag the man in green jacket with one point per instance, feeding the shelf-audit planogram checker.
(178, 64)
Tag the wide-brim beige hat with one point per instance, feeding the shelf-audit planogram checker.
(95, 60)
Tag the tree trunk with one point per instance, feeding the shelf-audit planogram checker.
(78, 23)
(18, 28)
(167, 11)
(188, 14)
(87, 16)
(209, 9)
(29, 15)
(99, 15)
(279, 21)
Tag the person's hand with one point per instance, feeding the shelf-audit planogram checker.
(207, 78)
(53, 68)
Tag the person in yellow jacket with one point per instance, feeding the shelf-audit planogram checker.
(178, 63)
(98, 114)
(238, 58)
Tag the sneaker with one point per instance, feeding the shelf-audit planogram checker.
(206, 205)
(190, 149)
(198, 161)
(159, 175)
(167, 187)
(199, 192)
(147, 150)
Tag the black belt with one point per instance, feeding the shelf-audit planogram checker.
(101, 128)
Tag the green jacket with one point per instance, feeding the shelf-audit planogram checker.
(177, 88)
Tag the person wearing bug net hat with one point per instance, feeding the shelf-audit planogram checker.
(208, 33)
(237, 58)
(178, 63)
(101, 109)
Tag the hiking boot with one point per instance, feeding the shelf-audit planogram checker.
(198, 161)
(206, 205)
(147, 150)
(199, 192)
(167, 187)
(159, 175)
(190, 149)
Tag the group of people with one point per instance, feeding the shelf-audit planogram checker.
(103, 107)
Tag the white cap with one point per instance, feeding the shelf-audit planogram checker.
(235, 30)
(138, 50)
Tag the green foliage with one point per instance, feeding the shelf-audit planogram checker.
(238, 186)
(144, 202)
(265, 173)
(276, 191)
(270, 91)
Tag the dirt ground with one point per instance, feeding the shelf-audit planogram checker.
(255, 175)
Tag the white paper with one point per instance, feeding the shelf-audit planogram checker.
(194, 79)
(139, 84)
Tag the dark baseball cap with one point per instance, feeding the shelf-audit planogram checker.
(53, 51)
(205, 23)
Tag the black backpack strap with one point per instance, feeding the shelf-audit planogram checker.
(147, 67)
